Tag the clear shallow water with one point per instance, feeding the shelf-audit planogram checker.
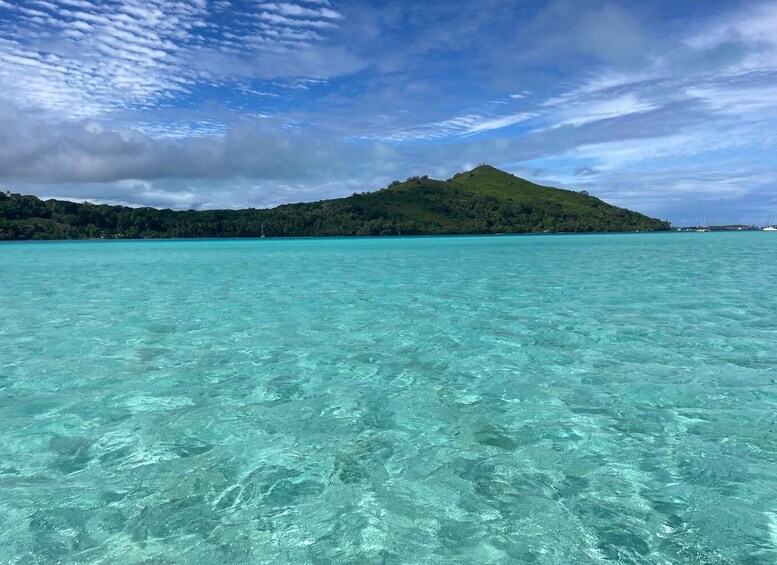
(434, 400)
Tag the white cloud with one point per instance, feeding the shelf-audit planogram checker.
(295, 10)
(757, 24)
(747, 100)
(87, 58)
(587, 111)
(456, 127)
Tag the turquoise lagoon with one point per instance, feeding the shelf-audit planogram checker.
(537, 399)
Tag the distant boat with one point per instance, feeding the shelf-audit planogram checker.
(769, 226)
(262, 236)
(702, 228)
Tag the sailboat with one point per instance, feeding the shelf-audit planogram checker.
(702, 228)
(769, 226)
(262, 236)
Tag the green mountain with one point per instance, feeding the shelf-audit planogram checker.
(483, 200)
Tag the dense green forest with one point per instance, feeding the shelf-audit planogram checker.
(483, 200)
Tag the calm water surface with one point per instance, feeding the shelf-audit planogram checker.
(548, 399)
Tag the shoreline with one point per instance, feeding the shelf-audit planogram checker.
(106, 239)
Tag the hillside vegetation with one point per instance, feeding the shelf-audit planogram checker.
(481, 201)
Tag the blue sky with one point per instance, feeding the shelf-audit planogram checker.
(669, 108)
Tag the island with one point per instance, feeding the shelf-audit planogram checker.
(484, 200)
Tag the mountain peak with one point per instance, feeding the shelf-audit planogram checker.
(488, 173)
(484, 168)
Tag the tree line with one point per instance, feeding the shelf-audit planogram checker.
(419, 206)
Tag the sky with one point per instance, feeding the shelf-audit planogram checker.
(665, 107)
